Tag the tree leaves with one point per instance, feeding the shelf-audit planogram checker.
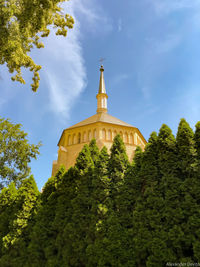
(15, 153)
(22, 24)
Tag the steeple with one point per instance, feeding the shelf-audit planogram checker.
(102, 96)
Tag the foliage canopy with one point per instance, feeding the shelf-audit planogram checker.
(22, 25)
(105, 211)
(15, 153)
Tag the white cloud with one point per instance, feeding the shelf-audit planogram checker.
(93, 16)
(63, 61)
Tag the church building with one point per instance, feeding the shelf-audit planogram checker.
(101, 126)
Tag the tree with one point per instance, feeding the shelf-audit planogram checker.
(22, 24)
(15, 153)
(197, 138)
(20, 209)
(110, 248)
(43, 235)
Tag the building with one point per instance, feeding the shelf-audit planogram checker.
(101, 126)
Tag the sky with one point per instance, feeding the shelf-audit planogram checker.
(152, 72)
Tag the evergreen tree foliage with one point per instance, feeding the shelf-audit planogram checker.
(7, 206)
(16, 240)
(105, 211)
(110, 249)
(197, 138)
(41, 248)
(81, 230)
(186, 159)
(94, 150)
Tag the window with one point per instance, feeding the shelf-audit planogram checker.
(131, 138)
(89, 135)
(114, 134)
(74, 139)
(84, 137)
(126, 138)
(69, 140)
(95, 133)
(109, 135)
(79, 138)
(104, 134)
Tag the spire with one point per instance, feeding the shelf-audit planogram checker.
(102, 88)
(102, 96)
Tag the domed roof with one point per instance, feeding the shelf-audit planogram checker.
(100, 117)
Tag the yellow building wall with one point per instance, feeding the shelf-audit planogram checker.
(74, 139)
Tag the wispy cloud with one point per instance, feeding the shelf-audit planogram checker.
(92, 16)
(66, 60)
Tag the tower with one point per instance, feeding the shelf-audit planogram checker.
(102, 96)
(101, 126)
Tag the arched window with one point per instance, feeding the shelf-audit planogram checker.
(84, 137)
(79, 138)
(131, 139)
(102, 102)
(109, 135)
(104, 134)
(126, 138)
(135, 139)
(95, 133)
(69, 140)
(114, 134)
(74, 139)
(121, 135)
(89, 135)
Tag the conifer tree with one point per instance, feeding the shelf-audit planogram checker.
(117, 167)
(99, 209)
(41, 248)
(94, 150)
(17, 239)
(111, 252)
(142, 212)
(186, 159)
(62, 220)
(7, 207)
(165, 213)
(77, 231)
(197, 138)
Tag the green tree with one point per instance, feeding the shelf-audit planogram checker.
(7, 203)
(197, 138)
(165, 216)
(17, 238)
(23, 24)
(186, 160)
(111, 249)
(117, 167)
(15, 153)
(41, 249)
(78, 231)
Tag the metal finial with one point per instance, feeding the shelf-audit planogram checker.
(102, 60)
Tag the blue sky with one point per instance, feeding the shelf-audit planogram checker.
(152, 71)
